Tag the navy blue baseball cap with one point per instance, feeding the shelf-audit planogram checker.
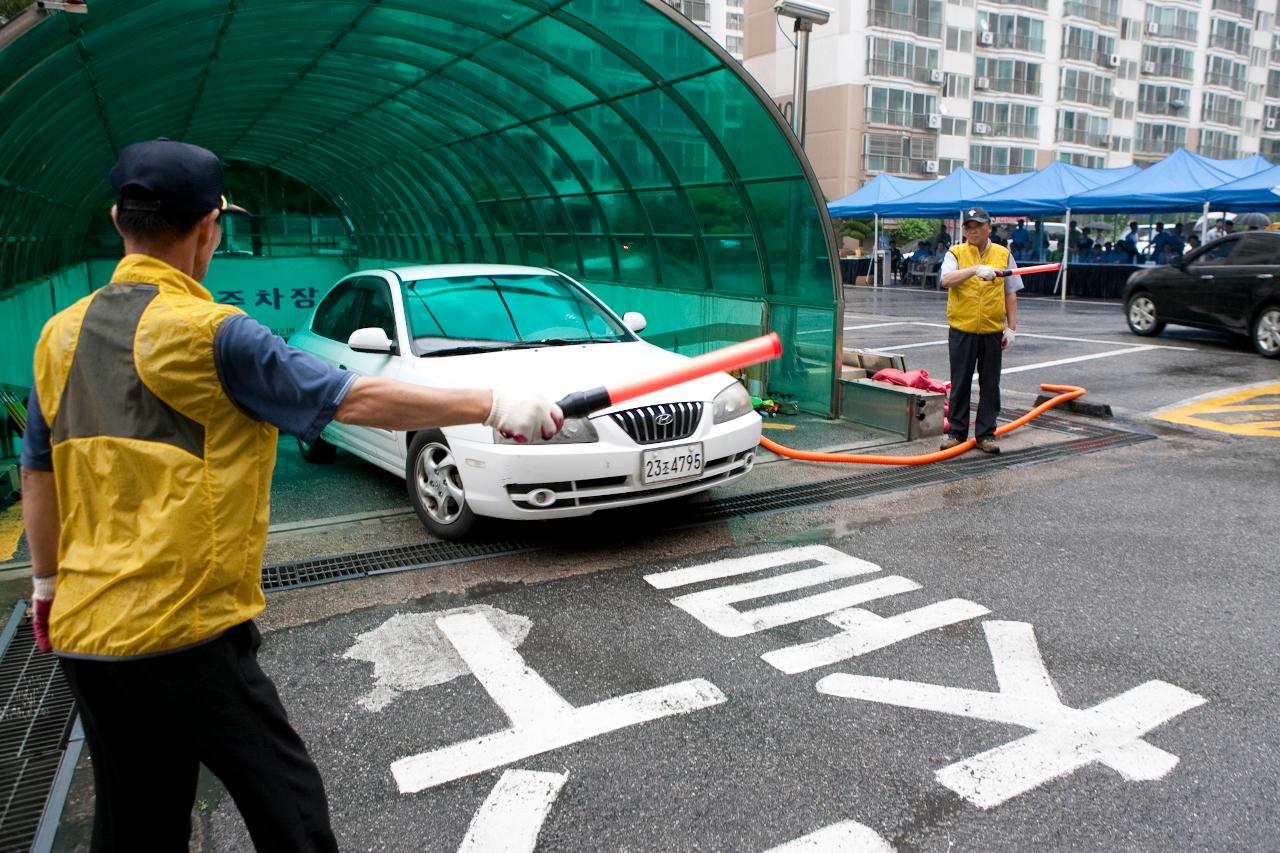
(163, 176)
(977, 214)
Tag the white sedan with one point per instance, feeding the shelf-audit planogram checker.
(486, 325)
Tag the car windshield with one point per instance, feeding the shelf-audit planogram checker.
(482, 313)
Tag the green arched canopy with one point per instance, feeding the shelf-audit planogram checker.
(610, 139)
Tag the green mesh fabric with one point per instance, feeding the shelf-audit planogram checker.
(610, 139)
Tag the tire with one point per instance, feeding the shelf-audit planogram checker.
(319, 452)
(435, 487)
(1140, 313)
(1264, 332)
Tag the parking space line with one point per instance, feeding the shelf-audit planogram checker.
(876, 325)
(1095, 341)
(895, 348)
(1078, 358)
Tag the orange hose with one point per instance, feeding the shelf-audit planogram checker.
(1065, 393)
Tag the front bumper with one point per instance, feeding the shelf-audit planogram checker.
(562, 481)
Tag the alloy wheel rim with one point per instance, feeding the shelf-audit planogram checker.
(1142, 313)
(439, 484)
(1267, 331)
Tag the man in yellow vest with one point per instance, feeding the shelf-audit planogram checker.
(982, 311)
(146, 473)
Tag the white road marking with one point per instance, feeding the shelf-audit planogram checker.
(1065, 739)
(541, 719)
(1096, 341)
(897, 347)
(712, 607)
(513, 813)
(408, 652)
(1056, 362)
(877, 325)
(845, 837)
(862, 631)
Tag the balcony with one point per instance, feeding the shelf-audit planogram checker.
(993, 168)
(1231, 118)
(1238, 46)
(1078, 51)
(894, 165)
(1042, 5)
(1228, 81)
(1273, 91)
(927, 27)
(1270, 148)
(1236, 7)
(1015, 86)
(1095, 12)
(1015, 131)
(1168, 69)
(1162, 108)
(1177, 33)
(1083, 137)
(1220, 152)
(1091, 97)
(898, 118)
(1158, 146)
(1011, 41)
(888, 68)
(694, 10)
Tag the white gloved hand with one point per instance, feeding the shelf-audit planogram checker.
(1007, 341)
(985, 272)
(516, 414)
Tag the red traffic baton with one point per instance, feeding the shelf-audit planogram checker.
(1029, 270)
(732, 357)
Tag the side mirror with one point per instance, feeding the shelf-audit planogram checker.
(371, 340)
(634, 321)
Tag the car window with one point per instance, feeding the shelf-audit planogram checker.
(334, 317)
(1215, 255)
(376, 310)
(504, 309)
(1256, 251)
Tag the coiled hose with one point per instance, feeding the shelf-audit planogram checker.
(1064, 393)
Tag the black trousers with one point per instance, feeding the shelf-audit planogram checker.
(969, 351)
(151, 723)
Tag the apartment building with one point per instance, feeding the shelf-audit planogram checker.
(916, 88)
(721, 19)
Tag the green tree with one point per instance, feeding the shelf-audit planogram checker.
(858, 229)
(911, 230)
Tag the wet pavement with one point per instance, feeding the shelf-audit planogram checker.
(918, 662)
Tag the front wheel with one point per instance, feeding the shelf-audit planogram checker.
(1141, 314)
(1265, 332)
(435, 487)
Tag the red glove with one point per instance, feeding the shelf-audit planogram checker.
(41, 603)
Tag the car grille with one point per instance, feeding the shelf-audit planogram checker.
(665, 422)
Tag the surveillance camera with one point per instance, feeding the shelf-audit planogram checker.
(803, 10)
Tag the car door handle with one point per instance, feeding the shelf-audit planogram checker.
(1206, 278)
(1265, 276)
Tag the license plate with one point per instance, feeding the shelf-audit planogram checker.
(671, 463)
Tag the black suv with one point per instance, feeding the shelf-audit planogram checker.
(1231, 284)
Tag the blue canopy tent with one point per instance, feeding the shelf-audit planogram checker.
(1047, 190)
(1250, 193)
(945, 198)
(878, 191)
(1180, 181)
(1244, 166)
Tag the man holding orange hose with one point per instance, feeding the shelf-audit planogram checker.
(983, 315)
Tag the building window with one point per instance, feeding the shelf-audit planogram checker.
(1089, 161)
(892, 58)
(946, 167)
(1086, 87)
(1159, 99)
(1221, 71)
(1021, 121)
(957, 86)
(733, 21)
(1002, 160)
(901, 108)
(1173, 22)
(1164, 61)
(1219, 144)
(1009, 75)
(733, 44)
(1159, 138)
(922, 17)
(1018, 32)
(959, 40)
(1221, 109)
(954, 126)
(694, 10)
(898, 154)
(1230, 35)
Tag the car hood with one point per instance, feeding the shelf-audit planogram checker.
(560, 370)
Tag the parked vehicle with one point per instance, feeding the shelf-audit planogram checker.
(489, 325)
(1232, 284)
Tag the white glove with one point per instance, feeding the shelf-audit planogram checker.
(984, 272)
(1007, 341)
(516, 414)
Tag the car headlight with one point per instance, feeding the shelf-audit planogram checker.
(574, 431)
(732, 402)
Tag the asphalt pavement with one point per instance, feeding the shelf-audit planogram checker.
(1069, 655)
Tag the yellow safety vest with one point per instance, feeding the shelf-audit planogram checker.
(977, 306)
(163, 484)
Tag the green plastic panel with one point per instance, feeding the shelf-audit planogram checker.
(610, 139)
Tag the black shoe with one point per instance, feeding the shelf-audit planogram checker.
(988, 445)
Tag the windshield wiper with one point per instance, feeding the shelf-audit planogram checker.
(467, 350)
(560, 342)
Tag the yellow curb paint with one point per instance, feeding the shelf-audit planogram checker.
(1233, 405)
(777, 426)
(10, 531)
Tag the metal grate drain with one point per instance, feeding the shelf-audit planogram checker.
(399, 559)
(35, 723)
